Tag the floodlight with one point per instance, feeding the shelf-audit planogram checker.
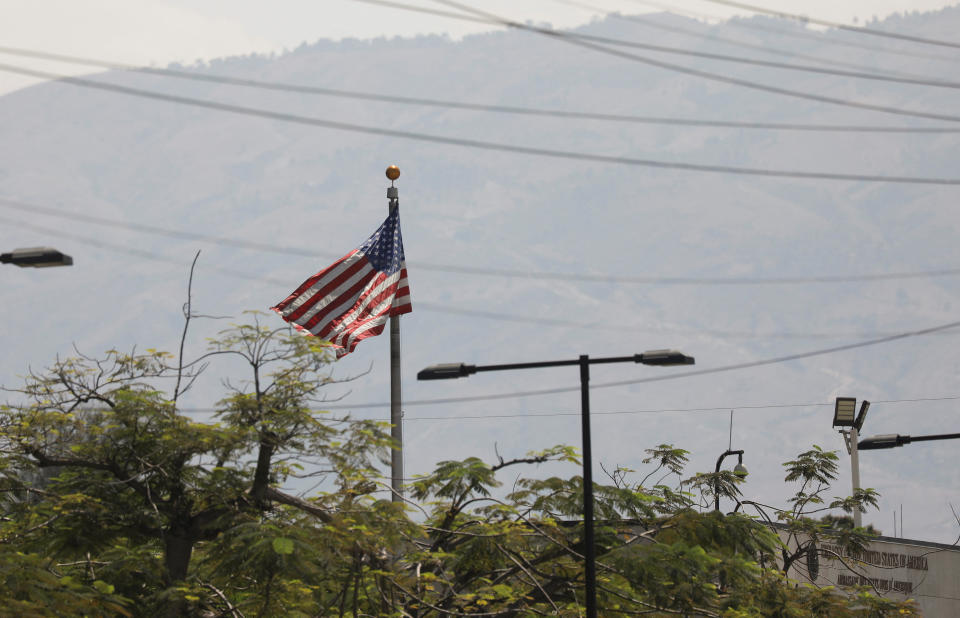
(844, 412)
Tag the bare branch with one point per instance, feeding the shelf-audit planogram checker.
(187, 314)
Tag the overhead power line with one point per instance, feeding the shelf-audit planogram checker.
(771, 406)
(746, 24)
(764, 49)
(471, 270)
(541, 321)
(477, 144)
(580, 42)
(671, 376)
(833, 24)
(859, 74)
(463, 105)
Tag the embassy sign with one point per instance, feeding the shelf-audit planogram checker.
(928, 573)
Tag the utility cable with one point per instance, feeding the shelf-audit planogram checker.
(463, 105)
(478, 144)
(574, 40)
(540, 321)
(698, 34)
(744, 24)
(840, 26)
(772, 406)
(859, 74)
(671, 376)
(469, 270)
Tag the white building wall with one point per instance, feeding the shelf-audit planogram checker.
(928, 573)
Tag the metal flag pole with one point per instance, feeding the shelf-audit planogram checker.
(396, 411)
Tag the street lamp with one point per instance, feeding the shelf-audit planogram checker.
(662, 358)
(740, 470)
(893, 440)
(36, 257)
(843, 416)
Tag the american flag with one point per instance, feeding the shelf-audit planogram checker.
(352, 298)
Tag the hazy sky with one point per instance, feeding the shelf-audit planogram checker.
(161, 31)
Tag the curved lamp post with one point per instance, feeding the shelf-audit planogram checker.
(36, 257)
(740, 470)
(448, 371)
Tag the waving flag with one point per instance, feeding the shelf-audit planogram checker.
(351, 299)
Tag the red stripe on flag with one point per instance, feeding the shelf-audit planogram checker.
(361, 314)
(329, 286)
(340, 306)
(309, 283)
(373, 332)
(359, 308)
(355, 331)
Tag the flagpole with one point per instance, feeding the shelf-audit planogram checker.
(396, 411)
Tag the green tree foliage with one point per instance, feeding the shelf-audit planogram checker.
(116, 503)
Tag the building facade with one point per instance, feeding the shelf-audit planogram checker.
(928, 573)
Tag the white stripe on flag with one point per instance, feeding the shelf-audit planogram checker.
(353, 310)
(336, 296)
(378, 315)
(325, 280)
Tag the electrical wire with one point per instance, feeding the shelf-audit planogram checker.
(462, 105)
(799, 35)
(540, 321)
(469, 270)
(580, 42)
(672, 376)
(772, 406)
(833, 24)
(922, 81)
(667, 410)
(764, 49)
(477, 144)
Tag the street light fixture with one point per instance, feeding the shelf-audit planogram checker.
(843, 416)
(844, 411)
(661, 358)
(36, 257)
(893, 440)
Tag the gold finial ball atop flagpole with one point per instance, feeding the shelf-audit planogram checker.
(393, 172)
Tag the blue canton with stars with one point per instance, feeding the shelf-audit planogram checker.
(385, 248)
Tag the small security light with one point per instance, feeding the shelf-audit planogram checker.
(36, 257)
(844, 412)
(740, 471)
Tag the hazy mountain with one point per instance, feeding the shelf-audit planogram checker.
(136, 160)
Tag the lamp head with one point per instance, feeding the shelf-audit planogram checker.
(888, 440)
(663, 358)
(862, 416)
(844, 411)
(36, 257)
(446, 371)
(740, 470)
